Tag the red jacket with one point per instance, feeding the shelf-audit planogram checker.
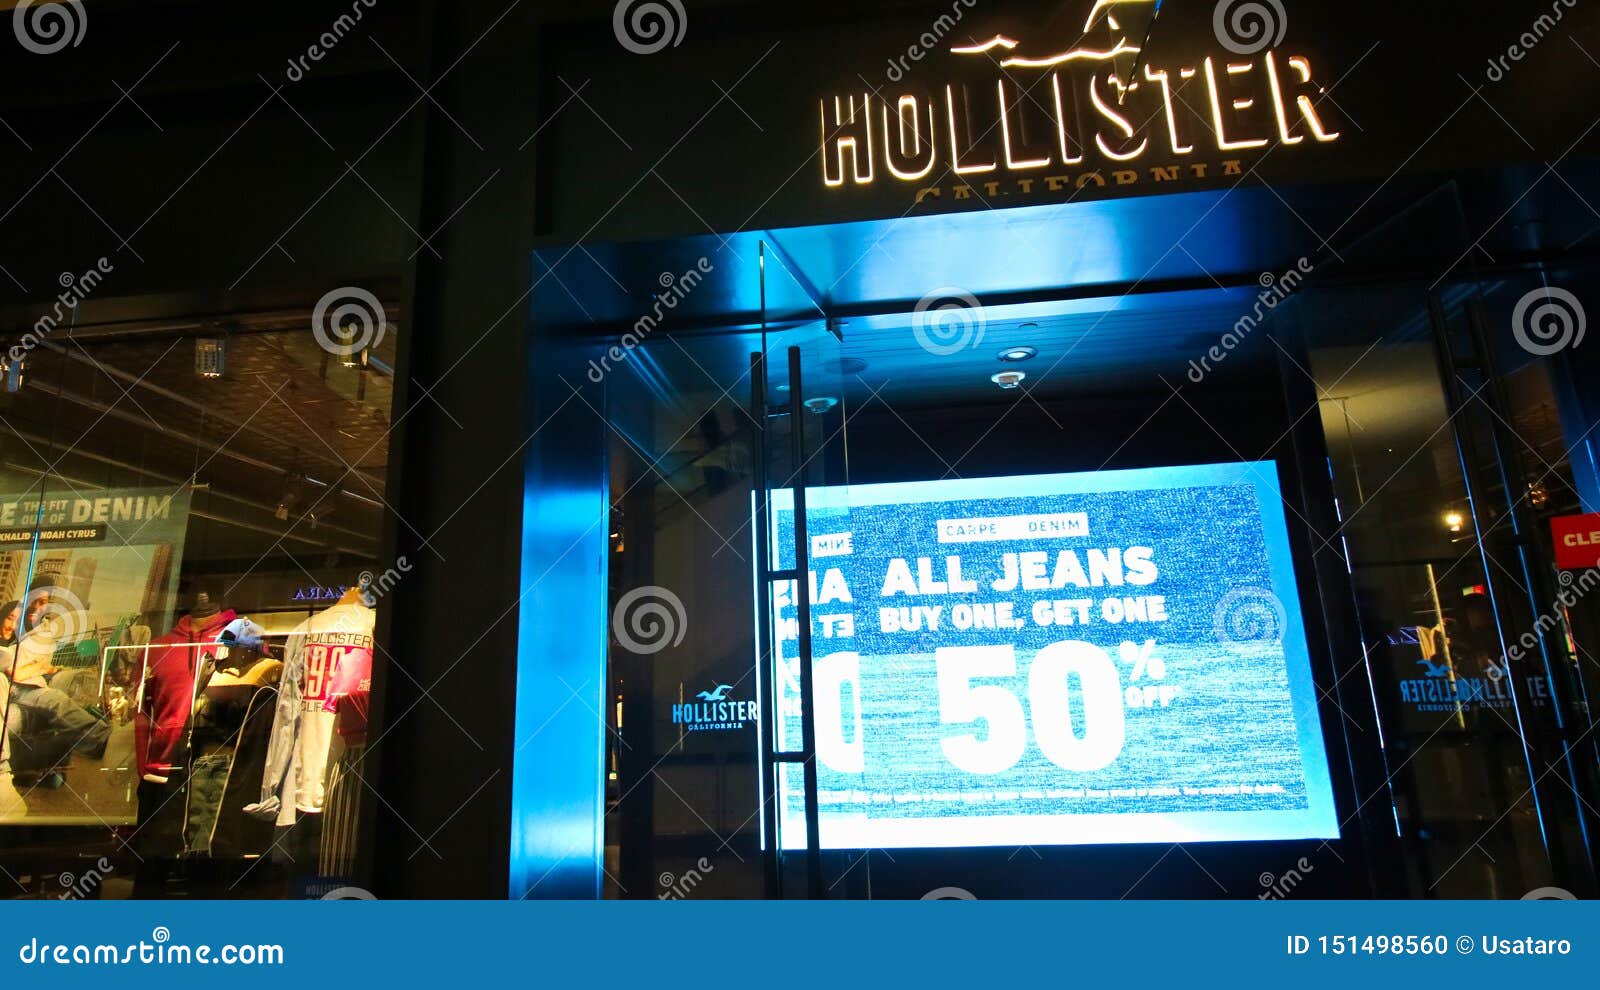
(163, 718)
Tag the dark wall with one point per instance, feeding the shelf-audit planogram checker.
(448, 764)
(172, 143)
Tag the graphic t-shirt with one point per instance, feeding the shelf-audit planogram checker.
(337, 645)
(349, 666)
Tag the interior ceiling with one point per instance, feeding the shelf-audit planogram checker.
(286, 425)
(1123, 345)
(1108, 347)
(1082, 345)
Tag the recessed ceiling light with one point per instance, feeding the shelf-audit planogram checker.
(210, 356)
(821, 404)
(1008, 379)
(1022, 353)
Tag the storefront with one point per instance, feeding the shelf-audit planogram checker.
(1027, 315)
(195, 486)
(955, 449)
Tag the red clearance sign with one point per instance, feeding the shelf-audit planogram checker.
(1577, 541)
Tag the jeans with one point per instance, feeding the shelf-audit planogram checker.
(46, 726)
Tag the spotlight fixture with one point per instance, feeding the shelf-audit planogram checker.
(1008, 379)
(821, 404)
(290, 499)
(1454, 521)
(210, 356)
(1022, 353)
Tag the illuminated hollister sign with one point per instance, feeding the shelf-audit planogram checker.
(1096, 114)
(714, 710)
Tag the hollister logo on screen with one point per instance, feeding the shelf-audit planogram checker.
(983, 116)
(714, 709)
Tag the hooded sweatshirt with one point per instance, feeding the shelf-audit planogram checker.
(169, 688)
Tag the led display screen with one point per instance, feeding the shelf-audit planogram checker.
(1107, 657)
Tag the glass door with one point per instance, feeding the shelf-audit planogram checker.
(681, 815)
(1444, 670)
(801, 398)
(726, 473)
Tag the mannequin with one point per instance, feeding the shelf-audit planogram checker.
(166, 678)
(226, 698)
(328, 656)
(170, 678)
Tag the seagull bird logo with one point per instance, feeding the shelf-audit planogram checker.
(1434, 669)
(720, 694)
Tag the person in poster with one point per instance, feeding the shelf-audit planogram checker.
(90, 572)
(46, 724)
